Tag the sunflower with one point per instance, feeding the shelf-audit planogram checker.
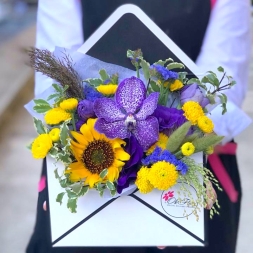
(94, 152)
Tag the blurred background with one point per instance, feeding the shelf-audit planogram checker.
(19, 172)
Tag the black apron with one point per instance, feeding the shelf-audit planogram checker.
(185, 22)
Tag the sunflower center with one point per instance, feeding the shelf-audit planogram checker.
(98, 156)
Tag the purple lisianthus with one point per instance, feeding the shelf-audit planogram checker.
(192, 92)
(85, 109)
(79, 123)
(129, 114)
(169, 118)
(129, 171)
(164, 72)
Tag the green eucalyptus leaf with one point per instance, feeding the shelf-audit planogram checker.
(99, 187)
(103, 74)
(72, 205)
(212, 79)
(145, 67)
(101, 193)
(110, 185)
(175, 65)
(177, 137)
(103, 173)
(41, 102)
(113, 192)
(64, 157)
(60, 197)
(54, 152)
(65, 88)
(94, 82)
(29, 146)
(40, 128)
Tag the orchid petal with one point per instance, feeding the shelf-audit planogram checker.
(148, 107)
(130, 94)
(107, 109)
(147, 132)
(112, 130)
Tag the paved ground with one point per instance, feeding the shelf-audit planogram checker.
(19, 174)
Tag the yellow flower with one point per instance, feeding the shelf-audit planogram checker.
(41, 146)
(107, 89)
(192, 111)
(56, 115)
(94, 152)
(176, 85)
(161, 143)
(205, 124)
(163, 175)
(142, 181)
(187, 149)
(69, 104)
(166, 84)
(55, 134)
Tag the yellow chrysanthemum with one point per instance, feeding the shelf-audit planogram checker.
(55, 134)
(69, 104)
(192, 111)
(94, 152)
(161, 143)
(187, 149)
(205, 124)
(41, 146)
(163, 175)
(56, 115)
(176, 85)
(107, 89)
(142, 181)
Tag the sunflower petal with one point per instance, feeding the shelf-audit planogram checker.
(113, 174)
(121, 154)
(79, 137)
(92, 179)
(85, 130)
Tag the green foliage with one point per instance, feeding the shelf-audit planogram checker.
(39, 126)
(177, 137)
(41, 106)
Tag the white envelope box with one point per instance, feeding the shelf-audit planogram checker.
(135, 219)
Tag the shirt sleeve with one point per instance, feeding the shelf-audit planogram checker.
(227, 43)
(59, 23)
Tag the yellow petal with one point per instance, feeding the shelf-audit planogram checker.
(121, 154)
(80, 138)
(118, 163)
(113, 174)
(85, 130)
(92, 179)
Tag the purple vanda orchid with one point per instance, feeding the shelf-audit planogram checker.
(129, 114)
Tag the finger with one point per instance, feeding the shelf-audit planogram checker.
(161, 247)
(45, 206)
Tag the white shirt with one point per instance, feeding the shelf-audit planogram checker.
(227, 43)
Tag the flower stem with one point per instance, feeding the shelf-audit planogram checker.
(73, 121)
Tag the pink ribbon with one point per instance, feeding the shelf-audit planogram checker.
(220, 171)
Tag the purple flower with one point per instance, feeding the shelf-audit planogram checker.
(164, 72)
(91, 94)
(129, 171)
(85, 109)
(192, 92)
(79, 123)
(130, 113)
(169, 118)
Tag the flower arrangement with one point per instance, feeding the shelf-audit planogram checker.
(142, 130)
